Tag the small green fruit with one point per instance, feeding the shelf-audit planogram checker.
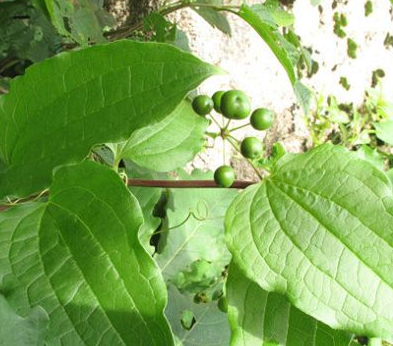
(262, 119)
(223, 304)
(202, 104)
(217, 100)
(235, 104)
(251, 148)
(224, 176)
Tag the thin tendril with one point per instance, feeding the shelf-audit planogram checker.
(196, 215)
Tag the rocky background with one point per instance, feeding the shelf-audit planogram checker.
(252, 67)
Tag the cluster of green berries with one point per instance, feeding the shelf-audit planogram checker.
(235, 105)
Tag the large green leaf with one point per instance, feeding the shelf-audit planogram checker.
(169, 144)
(210, 326)
(63, 106)
(265, 24)
(22, 331)
(320, 231)
(259, 318)
(78, 257)
(194, 240)
(270, 35)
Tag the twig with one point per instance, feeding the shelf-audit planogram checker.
(186, 184)
(173, 184)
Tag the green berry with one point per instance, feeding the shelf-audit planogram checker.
(217, 100)
(202, 104)
(262, 119)
(223, 304)
(235, 104)
(251, 148)
(224, 176)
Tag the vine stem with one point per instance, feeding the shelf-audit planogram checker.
(125, 31)
(173, 184)
(186, 184)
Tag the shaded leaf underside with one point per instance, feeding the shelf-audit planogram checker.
(260, 318)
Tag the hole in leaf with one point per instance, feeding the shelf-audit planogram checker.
(187, 319)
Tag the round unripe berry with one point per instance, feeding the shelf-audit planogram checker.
(261, 119)
(217, 100)
(223, 304)
(202, 104)
(235, 104)
(251, 148)
(224, 176)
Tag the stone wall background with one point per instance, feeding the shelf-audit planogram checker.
(252, 67)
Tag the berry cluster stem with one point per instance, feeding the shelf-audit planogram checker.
(232, 141)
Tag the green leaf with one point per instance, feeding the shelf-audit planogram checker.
(209, 328)
(169, 144)
(32, 38)
(270, 35)
(63, 106)
(372, 156)
(214, 18)
(304, 95)
(384, 131)
(196, 239)
(181, 40)
(82, 20)
(258, 317)
(78, 257)
(390, 175)
(22, 331)
(159, 28)
(284, 51)
(201, 276)
(152, 201)
(319, 230)
(272, 13)
(337, 115)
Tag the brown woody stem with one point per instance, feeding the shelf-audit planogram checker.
(173, 184)
(186, 184)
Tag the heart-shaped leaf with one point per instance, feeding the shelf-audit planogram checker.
(63, 106)
(320, 231)
(78, 257)
(169, 144)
